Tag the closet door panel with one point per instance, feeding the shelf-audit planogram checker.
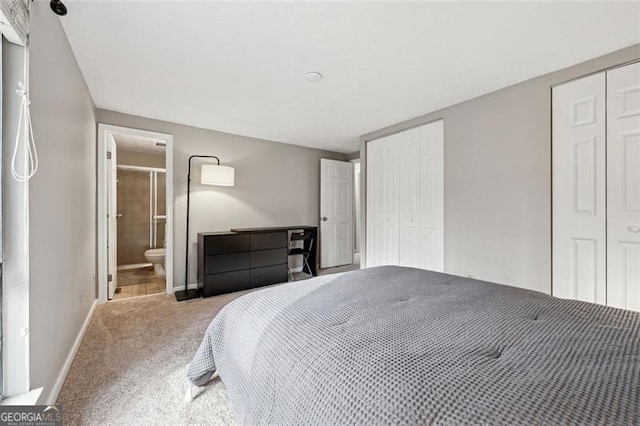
(374, 203)
(431, 251)
(391, 196)
(409, 211)
(623, 187)
(383, 202)
(579, 216)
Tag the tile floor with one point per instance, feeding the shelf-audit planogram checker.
(137, 282)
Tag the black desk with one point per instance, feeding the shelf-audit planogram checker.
(247, 258)
(314, 229)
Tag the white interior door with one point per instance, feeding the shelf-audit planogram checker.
(579, 168)
(336, 211)
(112, 224)
(623, 187)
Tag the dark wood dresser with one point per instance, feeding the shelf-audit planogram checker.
(234, 261)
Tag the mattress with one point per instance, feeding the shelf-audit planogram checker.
(394, 345)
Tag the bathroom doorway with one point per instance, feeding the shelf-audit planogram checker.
(140, 218)
(135, 220)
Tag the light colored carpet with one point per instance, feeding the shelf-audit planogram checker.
(131, 366)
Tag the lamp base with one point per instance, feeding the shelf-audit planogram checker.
(186, 294)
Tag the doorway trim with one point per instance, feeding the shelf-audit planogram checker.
(104, 131)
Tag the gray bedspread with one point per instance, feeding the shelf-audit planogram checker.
(392, 345)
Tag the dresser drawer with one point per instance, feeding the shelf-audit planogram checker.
(222, 244)
(269, 275)
(269, 240)
(227, 262)
(227, 282)
(268, 257)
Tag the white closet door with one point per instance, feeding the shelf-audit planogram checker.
(431, 247)
(382, 201)
(579, 216)
(623, 187)
(391, 200)
(409, 212)
(375, 216)
(405, 199)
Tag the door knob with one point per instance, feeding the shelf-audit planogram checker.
(324, 218)
(119, 215)
(634, 229)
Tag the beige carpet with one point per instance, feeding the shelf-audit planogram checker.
(131, 366)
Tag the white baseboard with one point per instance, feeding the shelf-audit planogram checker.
(57, 386)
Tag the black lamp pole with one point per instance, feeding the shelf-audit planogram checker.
(187, 294)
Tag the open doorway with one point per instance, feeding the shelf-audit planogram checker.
(135, 244)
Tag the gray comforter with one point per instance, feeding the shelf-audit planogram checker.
(393, 345)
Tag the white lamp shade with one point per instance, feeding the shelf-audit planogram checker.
(213, 174)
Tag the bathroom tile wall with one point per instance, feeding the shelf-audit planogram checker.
(136, 158)
(133, 225)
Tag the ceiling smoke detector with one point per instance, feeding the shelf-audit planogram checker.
(313, 76)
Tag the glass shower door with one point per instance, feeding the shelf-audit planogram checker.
(134, 204)
(159, 216)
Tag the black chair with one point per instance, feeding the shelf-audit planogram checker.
(306, 237)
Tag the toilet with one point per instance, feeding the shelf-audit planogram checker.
(156, 257)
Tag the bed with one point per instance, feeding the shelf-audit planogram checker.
(394, 345)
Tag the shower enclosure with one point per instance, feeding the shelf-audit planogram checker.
(141, 208)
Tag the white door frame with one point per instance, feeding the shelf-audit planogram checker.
(357, 215)
(104, 130)
(112, 215)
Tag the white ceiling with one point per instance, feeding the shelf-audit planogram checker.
(140, 144)
(239, 67)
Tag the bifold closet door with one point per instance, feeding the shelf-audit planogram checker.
(409, 212)
(373, 243)
(623, 187)
(432, 197)
(579, 169)
(405, 199)
(422, 197)
(383, 196)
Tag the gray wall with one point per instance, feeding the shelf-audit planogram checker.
(498, 178)
(62, 199)
(276, 183)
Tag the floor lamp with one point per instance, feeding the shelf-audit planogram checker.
(210, 174)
